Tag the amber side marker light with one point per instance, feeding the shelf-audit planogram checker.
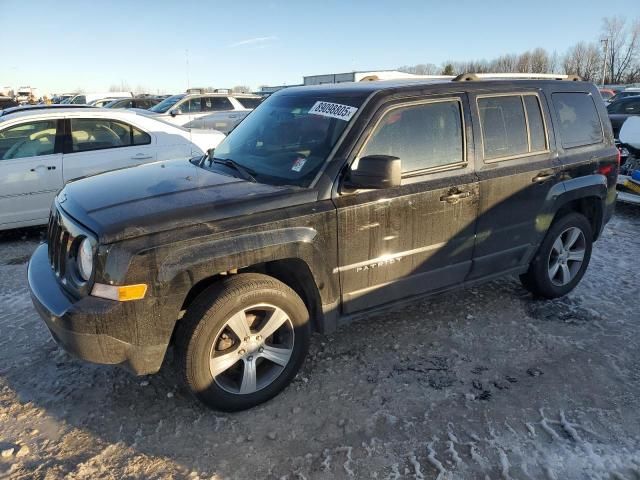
(120, 293)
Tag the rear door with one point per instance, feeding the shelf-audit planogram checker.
(95, 145)
(398, 242)
(517, 167)
(30, 170)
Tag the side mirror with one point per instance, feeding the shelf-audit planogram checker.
(630, 132)
(375, 172)
(175, 111)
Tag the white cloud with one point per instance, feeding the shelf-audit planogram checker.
(254, 41)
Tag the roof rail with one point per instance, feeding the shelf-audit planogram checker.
(468, 77)
(25, 108)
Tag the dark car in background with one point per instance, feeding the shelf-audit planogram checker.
(139, 102)
(622, 109)
(7, 102)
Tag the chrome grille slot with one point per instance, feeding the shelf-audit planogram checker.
(60, 241)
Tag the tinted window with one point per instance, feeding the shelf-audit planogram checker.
(167, 103)
(537, 133)
(190, 106)
(578, 117)
(28, 140)
(98, 133)
(285, 141)
(210, 104)
(249, 102)
(79, 99)
(504, 129)
(422, 136)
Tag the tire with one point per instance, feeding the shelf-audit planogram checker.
(208, 343)
(540, 279)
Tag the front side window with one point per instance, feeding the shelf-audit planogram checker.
(287, 139)
(190, 106)
(579, 120)
(628, 107)
(213, 104)
(99, 133)
(423, 136)
(79, 99)
(512, 125)
(31, 139)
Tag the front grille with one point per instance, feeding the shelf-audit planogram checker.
(60, 241)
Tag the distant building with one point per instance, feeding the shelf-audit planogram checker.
(361, 76)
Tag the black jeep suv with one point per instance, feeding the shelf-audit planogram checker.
(326, 202)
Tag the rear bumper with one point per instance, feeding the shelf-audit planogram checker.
(85, 327)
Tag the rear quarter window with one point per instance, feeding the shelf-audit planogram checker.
(579, 122)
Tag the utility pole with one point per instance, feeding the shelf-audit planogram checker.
(604, 61)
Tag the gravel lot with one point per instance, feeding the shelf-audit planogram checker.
(478, 383)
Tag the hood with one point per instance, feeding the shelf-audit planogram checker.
(166, 195)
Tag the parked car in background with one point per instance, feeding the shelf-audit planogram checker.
(7, 102)
(327, 202)
(622, 109)
(137, 102)
(101, 102)
(43, 148)
(87, 98)
(606, 94)
(627, 92)
(224, 111)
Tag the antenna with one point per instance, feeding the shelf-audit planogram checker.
(186, 54)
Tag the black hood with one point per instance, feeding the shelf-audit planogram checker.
(165, 195)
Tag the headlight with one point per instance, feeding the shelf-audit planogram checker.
(85, 259)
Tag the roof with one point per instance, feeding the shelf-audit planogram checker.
(25, 108)
(58, 111)
(374, 86)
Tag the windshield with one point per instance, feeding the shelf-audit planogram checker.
(166, 104)
(249, 102)
(287, 138)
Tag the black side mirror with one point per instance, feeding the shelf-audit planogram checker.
(375, 172)
(175, 111)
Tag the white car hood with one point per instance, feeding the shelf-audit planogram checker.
(205, 139)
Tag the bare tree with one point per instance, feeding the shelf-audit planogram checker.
(624, 46)
(583, 59)
(241, 89)
(539, 61)
(420, 69)
(505, 63)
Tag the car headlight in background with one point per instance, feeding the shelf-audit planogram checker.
(85, 259)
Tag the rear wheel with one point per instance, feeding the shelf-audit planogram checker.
(242, 341)
(562, 258)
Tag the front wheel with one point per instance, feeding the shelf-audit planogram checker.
(562, 258)
(242, 341)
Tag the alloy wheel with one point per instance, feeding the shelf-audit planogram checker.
(566, 256)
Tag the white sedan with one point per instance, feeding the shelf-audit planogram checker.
(43, 148)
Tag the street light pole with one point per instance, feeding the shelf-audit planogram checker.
(604, 61)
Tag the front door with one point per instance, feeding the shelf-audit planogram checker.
(517, 169)
(30, 172)
(407, 240)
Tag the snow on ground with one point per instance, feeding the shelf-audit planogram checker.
(477, 383)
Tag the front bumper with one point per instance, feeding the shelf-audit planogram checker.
(91, 328)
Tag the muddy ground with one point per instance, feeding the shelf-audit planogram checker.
(478, 383)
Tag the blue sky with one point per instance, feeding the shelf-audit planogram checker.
(62, 45)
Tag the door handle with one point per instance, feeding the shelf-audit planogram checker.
(39, 167)
(454, 197)
(542, 177)
(141, 156)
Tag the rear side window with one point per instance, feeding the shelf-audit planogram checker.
(99, 133)
(212, 104)
(423, 136)
(631, 107)
(512, 125)
(579, 119)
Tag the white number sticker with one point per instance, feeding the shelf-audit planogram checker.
(333, 110)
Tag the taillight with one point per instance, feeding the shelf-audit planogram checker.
(605, 170)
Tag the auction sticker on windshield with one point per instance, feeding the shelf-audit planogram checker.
(333, 110)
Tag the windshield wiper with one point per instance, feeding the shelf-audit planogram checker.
(244, 171)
